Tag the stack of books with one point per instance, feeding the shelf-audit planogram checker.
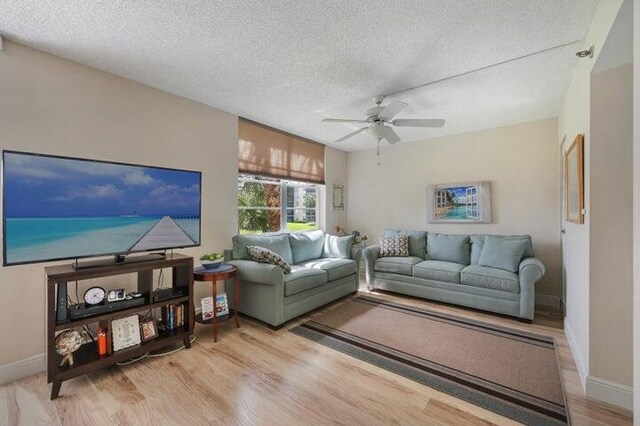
(173, 316)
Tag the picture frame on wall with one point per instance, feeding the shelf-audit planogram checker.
(337, 196)
(574, 181)
(466, 202)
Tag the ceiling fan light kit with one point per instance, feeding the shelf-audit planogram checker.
(379, 121)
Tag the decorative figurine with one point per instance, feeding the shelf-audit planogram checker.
(67, 343)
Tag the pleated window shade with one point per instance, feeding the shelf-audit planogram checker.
(268, 152)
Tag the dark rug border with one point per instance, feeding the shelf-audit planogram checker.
(477, 397)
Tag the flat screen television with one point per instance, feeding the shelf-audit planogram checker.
(57, 208)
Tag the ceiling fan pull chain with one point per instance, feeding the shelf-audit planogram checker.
(378, 153)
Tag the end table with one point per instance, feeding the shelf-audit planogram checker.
(221, 273)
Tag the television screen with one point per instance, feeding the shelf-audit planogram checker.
(61, 208)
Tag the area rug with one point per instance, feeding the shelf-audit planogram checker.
(510, 372)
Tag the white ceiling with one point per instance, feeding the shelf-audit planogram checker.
(291, 63)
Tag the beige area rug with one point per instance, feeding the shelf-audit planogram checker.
(510, 372)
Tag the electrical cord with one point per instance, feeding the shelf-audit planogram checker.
(88, 330)
(160, 279)
(150, 355)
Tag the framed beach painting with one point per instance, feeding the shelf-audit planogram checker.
(574, 181)
(459, 203)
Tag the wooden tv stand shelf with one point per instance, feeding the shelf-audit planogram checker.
(86, 358)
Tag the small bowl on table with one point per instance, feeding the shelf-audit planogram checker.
(211, 264)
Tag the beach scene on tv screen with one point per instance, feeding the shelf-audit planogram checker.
(58, 208)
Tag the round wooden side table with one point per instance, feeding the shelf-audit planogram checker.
(224, 272)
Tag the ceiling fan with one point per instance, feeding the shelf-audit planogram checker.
(380, 117)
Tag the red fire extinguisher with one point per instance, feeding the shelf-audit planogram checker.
(102, 342)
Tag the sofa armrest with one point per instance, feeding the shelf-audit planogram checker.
(262, 273)
(531, 270)
(228, 255)
(370, 254)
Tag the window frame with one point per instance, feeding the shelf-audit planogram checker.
(283, 208)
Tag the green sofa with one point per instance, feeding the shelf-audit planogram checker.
(488, 272)
(324, 268)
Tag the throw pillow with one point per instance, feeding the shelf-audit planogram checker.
(477, 242)
(306, 245)
(448, 248)
(417, 240)
(264, 255)
(337, 246)
(502, 253)
(276, 243)
(394, 246)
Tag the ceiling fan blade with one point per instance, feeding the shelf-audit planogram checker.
(343, 120)
(392, 109)
(388, 133)
(410, 122)
(352, 134)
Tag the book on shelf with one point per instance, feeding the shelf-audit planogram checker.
(222, 307)
(207, 308)
(172, 316)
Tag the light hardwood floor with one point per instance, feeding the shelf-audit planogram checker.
(256, 376)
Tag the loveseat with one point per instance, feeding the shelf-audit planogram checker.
(323, 268)
(494, 273)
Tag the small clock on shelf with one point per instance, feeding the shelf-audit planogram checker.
(94, 295)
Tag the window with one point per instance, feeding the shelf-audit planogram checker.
(273, 205)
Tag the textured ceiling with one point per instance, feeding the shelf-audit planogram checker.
(288, 64)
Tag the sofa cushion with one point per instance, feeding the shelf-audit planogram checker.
(397, 265)
(301, 279)
(438, 270)
(337, 246)
(477, 242)
(335, 268)
(306, 245)
(264, 255)
(449, 248)
(502, 253)
(276, 243)
(486, 277)
(417, 240)
(394, 246)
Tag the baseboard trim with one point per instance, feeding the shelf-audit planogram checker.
(22, 368)
(577, 357)
(548, 300)
(611, 392)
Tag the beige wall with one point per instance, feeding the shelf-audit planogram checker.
(599, 262)
(574, 118)
(636, 213)
(521, 161)
(50, 105)
(336, 172)
(611, 239)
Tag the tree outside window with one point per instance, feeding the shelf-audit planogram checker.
(271, 205)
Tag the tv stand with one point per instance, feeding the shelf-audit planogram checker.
(118, 259)
(87, 358)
